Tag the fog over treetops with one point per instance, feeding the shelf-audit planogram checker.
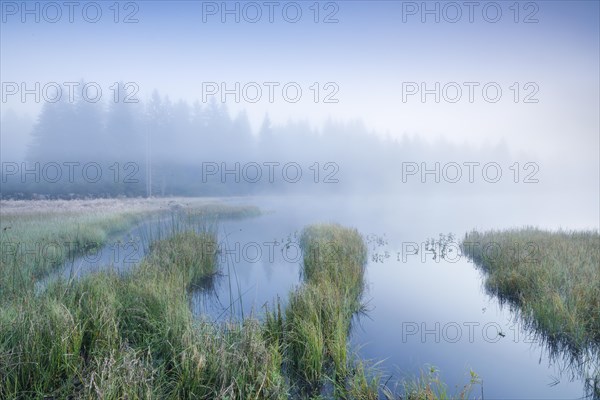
(361, 97)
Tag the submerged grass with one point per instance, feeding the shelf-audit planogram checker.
(429, 386)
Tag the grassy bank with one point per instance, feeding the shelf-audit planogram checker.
(35, 244)
(37, 237)
(552, 279)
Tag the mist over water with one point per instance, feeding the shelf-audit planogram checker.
(414, 122)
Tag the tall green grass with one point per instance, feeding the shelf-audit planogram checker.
(313, 331)
(189, 256)
(117, 336)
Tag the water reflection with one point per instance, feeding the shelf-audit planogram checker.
(572, 360)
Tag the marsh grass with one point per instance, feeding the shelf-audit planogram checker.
(362, 382)
(132, 335)
(552, 279)
(37, 238)
(35, 244)
(189, 255)
(117, 336)
(113, 335)
(313, 331)
(221, 211)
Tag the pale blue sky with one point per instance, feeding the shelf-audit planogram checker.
(368, 54)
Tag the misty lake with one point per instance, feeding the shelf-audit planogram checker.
(421, 312)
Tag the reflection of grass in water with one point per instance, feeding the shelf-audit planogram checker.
(133, 335)
(552, 279)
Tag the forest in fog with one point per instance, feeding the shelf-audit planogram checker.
(170, 148)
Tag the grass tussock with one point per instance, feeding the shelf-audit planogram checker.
(188, 256)
(313, 332)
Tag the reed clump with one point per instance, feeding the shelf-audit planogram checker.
(313, 331)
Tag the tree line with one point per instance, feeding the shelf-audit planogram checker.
(163, 147)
